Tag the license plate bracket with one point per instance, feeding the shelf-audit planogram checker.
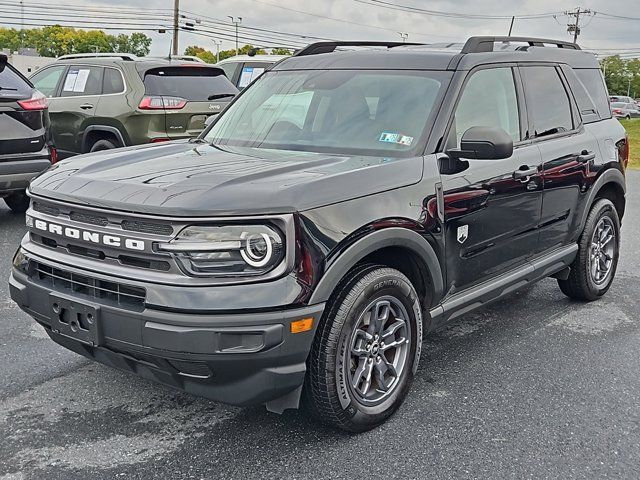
(75, 319)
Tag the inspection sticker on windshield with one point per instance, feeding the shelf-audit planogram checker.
(395, 138)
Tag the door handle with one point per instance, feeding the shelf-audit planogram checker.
(524, 172)
(86, 106)
(585, 157)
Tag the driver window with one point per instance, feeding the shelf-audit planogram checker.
(488, 100)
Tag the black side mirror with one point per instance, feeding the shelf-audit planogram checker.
(3, 61)
(483, 143)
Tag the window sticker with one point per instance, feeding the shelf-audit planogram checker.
(396, 138)
(249, 74)
(76, 80)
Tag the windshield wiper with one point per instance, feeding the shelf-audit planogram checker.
(216, 96)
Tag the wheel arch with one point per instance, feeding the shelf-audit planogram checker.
(97, 132)
(396, 247)
(610, 185)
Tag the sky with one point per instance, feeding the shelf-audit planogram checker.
(360, 19)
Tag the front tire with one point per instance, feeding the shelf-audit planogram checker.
(18, 202)
(593, 270)
(366, 350)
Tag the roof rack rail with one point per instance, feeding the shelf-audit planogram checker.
(328, 47)
(123, 56)
(485, 44)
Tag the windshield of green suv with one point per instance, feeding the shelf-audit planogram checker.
(362, 112)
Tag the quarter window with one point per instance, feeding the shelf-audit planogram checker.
(547, 100)
(113, 82)
(489, 100)
(594, 83)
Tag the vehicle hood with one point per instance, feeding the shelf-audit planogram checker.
(191, 179)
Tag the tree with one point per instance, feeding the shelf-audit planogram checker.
(621, 75)
(210, 57)
(55, 40)
(281, 51)
(201, 53)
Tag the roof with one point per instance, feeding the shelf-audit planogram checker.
(254, 58)
(398, 56)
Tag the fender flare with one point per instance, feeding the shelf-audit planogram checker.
(388, 237)
(612, 175)
(102, 128)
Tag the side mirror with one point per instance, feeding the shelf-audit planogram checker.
(3, 61)
(483, 143)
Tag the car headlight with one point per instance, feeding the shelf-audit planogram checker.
(227, 250)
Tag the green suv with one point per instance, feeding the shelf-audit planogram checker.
(104, 101)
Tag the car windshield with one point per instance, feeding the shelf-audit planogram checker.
(383, 113)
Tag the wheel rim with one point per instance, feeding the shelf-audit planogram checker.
(602, 251)
(379, 348)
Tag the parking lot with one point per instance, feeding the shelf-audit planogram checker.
(535, 386)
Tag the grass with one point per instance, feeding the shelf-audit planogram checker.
(633, 129)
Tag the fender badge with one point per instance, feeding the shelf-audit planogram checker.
(463, 233)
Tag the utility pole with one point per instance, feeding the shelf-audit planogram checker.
(575, 27)
(176, 26)
(403, 36)
(217, 44)
(236, 21)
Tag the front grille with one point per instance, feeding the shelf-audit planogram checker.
(147, 227)
(192, 369)
(45, 208)
(89, 218)
(101, 290)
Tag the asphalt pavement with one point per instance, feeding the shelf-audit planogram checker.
(535, 386)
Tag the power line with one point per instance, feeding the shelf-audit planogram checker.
(575, 27)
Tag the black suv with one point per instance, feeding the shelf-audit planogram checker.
(25, 146)
(344, 205)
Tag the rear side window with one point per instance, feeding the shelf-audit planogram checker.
(113, 82)
(81, 81)
(47, 80)
(195, 84)
(586, 105)
(548, 101)
(594, 83)
(12, 85)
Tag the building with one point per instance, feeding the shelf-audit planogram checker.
(27, 60)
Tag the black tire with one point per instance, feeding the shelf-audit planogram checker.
(328, 390)
(581, 284)
(18, 202)
(103, 145)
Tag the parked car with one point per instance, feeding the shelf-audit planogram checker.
(625, 110)
(620, 98)
(25, 145)
(243, 69)
(103, 101)
(304, 252)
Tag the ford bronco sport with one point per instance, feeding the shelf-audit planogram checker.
(354, 198)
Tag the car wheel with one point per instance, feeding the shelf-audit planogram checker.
(594, 268)
(18, 202)
(102, 145)
(366, 350)
(628, 117)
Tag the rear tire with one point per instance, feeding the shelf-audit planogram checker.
(18, 202)
(103, 145)
(593, 270)
(354, 381)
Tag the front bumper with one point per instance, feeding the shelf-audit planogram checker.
(233, 357)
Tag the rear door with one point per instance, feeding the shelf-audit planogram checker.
(189, 94)
(22, 118)
(568, 151)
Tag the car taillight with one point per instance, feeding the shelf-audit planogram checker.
(53, 155)
(37, 102)
(623, 151)
(161, 103)
(159, 140)
(617, 110)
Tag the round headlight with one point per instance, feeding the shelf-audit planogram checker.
(257, 250)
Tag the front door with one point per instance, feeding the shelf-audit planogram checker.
(492, 209)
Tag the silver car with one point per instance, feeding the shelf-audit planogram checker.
(624, 110)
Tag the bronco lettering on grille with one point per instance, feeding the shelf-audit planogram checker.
(89, 236)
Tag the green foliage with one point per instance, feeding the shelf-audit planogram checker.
(281, 51)
(210, 57)
(622, 75)
(633, 130)
(53, 41)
